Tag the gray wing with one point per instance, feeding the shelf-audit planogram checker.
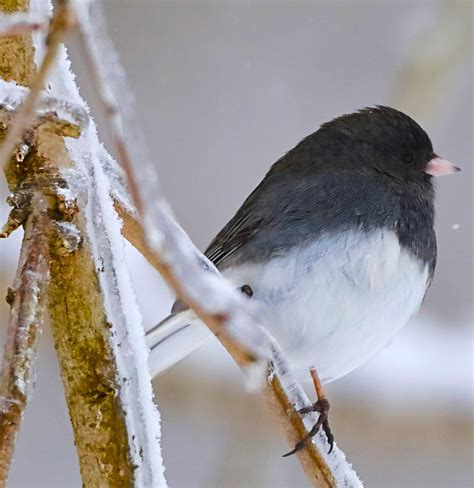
(293, 209)
(237, 232)
(266, 215)
(298, 200)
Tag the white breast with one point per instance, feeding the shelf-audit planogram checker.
(334, 304)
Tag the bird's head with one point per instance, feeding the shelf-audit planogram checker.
(387, 141)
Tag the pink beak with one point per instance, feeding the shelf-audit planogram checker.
(439, 167)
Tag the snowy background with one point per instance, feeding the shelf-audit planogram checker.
(223, 90)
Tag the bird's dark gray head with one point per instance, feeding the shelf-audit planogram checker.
(381, 139)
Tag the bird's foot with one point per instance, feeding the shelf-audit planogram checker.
(321, 407)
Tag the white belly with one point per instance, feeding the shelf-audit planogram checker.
(334, 304)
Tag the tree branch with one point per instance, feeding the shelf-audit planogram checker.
(60, 23)
(20, 23)
(93, 344)
(27, 314)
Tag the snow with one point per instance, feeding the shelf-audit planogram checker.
(104, 232)
(70, 234)
(12, 96)
(116, 175)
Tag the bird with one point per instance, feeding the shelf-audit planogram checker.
(336, 245)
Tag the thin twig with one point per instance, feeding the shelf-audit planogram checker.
(60, 23)
(28, 310)
(20, 23)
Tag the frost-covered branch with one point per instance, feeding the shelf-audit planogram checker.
(286, 396)
(13, 96)
(156, 234)
(94, 316)
(60, 23)
(28, 310)
(21, 23)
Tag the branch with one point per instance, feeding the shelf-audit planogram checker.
(27, 314)
(13, 96)
(154, 233)
(60, 23)
(104, 371)
(21, 23)
(16, 51)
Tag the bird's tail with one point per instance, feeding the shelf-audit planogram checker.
(173, 339)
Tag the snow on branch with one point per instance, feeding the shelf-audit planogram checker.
(12, 96)
(154, 232)
(59, 24)
(21, 23)
(340, 469)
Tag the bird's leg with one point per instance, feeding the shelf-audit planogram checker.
(321, 406)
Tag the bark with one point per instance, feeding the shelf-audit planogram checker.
(16, 52)
(28, 312)
(80, 327)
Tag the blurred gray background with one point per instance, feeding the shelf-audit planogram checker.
(223, 89)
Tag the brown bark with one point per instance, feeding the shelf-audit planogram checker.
(76, 308)
(16, 52)
(28, 312)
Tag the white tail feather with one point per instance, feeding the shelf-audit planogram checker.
(173, 339)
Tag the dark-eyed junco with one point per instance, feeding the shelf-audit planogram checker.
(336, 244)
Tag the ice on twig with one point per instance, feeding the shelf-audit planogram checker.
(21, 23)
(64, 109)
(13, 95)
(70, 236)
(116, 175)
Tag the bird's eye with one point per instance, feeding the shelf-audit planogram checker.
(407, 157)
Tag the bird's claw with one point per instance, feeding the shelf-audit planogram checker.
(321, 407)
